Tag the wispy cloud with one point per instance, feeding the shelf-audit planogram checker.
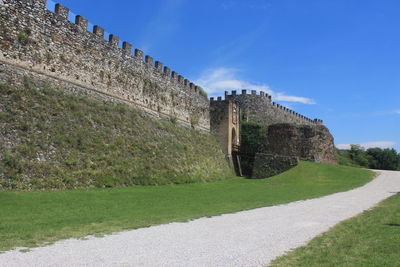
(236, 47)
(217, 80)
(165, 22)
(397, 111)
(380, 144)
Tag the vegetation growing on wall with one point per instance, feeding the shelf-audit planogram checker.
(252, 140)
(252, 136)
(49, 139)
(202, 92)
(374, 158)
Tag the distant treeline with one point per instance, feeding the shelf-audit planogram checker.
(373, 158)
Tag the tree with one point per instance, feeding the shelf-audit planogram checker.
(384, 159)
(374, 158)
(358, 156)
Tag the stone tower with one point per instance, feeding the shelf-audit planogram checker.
(225, 125)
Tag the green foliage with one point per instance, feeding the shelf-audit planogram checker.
(384, 159)
(173, 119)
(252, 139)
(370, 239)
(50, 139)
(33, 218)
(374, 158)
(357, 155)
(202, 92)
(63, 58)
(49, 57)
(194, 120)
(252, 136)
(23, 37)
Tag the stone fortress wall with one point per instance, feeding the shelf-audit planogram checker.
(43, 43)
(260, 108)
(287, 135)
(46, 46)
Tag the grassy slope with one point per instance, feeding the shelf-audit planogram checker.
(31, 218)
(53, 140)
(370, 239)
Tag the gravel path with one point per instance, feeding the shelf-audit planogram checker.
(248, 238)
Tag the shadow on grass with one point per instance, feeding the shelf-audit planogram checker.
(393, 224)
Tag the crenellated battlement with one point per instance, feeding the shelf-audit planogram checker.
(262, 102)
(127, 48)
(55, 48)
(252, 93)
(47, 42)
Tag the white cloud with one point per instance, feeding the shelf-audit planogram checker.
(216, 81)
(343, 146)
(397, 111)
(380, 144)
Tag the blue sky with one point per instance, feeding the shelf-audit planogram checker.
(337, 60)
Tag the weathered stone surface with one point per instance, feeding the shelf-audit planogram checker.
(267, 165)
(19, 76)
(224, 117)
(260, 108)
(225, 126)
(314, 143)
(47, 47)
(46, 43)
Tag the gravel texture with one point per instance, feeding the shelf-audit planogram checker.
(247, 238)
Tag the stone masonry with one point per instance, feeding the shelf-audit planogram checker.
(225, 126)
(288, 135)
(314, 143)
(47, 44)
(47, 47)
(260, 108)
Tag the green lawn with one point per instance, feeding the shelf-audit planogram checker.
(370, 239)
(36, 217)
